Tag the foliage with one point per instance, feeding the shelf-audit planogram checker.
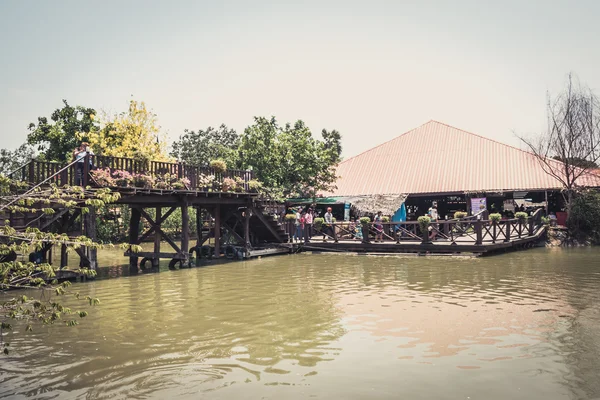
(290, 217)
(365, 220)
(228, 185)
(545, 220)
(385, 218)
(68, 126)
(521, 216)
(45, 309)
(122, 178)
(288, 160)
(201, 146)
(424, 222)
(572, 137)
(182, 183)
(10, 160)
(460, 214)
(318, 221)
(255, 185)
(584, 220)
(495, 217)
(143, 181)
(103, 177)
(219, 166)
(133, 134)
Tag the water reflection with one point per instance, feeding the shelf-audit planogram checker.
(524, 325)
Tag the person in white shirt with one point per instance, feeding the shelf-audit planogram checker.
(79, 154)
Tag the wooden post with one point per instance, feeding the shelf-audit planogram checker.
(507, 232)
(64, 256)
(134, 232)
(31, 177)
(365, 232)
(530, 225)
(247, 230)
(185, 233)
(157, 238)
(86, 170)
(198, 233)
(479, 231)
(89, 228)
(217, 231)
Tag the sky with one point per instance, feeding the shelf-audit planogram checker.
(370, 69)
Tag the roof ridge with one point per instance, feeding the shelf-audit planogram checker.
(387, 141)
(482, 137)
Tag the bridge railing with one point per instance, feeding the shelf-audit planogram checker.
(36, 171)
(467, 231)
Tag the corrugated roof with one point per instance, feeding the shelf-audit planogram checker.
(438, 158)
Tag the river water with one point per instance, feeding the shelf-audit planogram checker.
(524, 325)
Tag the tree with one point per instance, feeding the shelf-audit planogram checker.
(202, 146)
(46, 307)
(133, 134)
(56, 139)
(289, 160)
(573, 137)
(10, 160)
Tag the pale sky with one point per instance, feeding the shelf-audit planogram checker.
(371, 69)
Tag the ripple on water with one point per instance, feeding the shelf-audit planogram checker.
(330, 324)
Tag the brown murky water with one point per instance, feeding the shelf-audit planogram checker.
(518, 326)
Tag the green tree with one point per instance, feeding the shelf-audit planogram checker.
(13, 159)
(584, 219)
(45, 308)
(202, 146)
(289, 159)
(56, 138)
(133, 134)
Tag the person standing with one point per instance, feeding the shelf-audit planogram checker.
(378, 225)
(308, 222)
(298, 235)
(328, 225)
(79, 155)
(433, 215)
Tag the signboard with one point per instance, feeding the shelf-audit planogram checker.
(346, 211)
(476, 204)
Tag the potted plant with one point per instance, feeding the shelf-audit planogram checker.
(522, 218)
(459, 214)
(103, 177)
(219, 166)
(239, 184)
(143, 181)
(180, 184)
(424, 222)
(495, 219)
(122, 178)
(365, 223)
(254, 185)
(228, 185)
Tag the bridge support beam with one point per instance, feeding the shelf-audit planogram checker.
(134, 232)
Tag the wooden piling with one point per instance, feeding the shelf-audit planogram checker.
(134, 232)
(157, 238)
(217, 216)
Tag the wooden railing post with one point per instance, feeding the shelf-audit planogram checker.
(31, 173)
(86, 170)
(530, 225)
(478, 231)
(425, 235)
(365, 232)
(507, 232)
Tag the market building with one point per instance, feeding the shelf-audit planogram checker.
(457, 170)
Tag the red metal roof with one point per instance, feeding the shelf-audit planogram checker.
(438, 158)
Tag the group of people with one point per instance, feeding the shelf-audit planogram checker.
(304, 225)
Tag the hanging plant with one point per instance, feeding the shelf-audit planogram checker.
(495, 217)
(424, 222)
(521, 216)
(459, 214)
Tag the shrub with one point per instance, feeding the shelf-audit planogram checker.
(183, 183)
(219, 166)
(385, 218)
(521, 216)
(584, 218)
(254, 185)
(143, 181)
(290, 217)
(239, 184)
(545, 220)
(228, 185)
(103, 177)
(122, 178)
(206, 181)
(365, 220)
(495, 217)
(459, 214)
(319, 221)
(424, 222)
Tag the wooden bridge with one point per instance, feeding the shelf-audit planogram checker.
(237, 222)
(458, 236)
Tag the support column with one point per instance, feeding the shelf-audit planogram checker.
(64, 256)
(157, 237)
(185, 233)
(89, 229)
(217, 216)
(134, 233)
(247, 230)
